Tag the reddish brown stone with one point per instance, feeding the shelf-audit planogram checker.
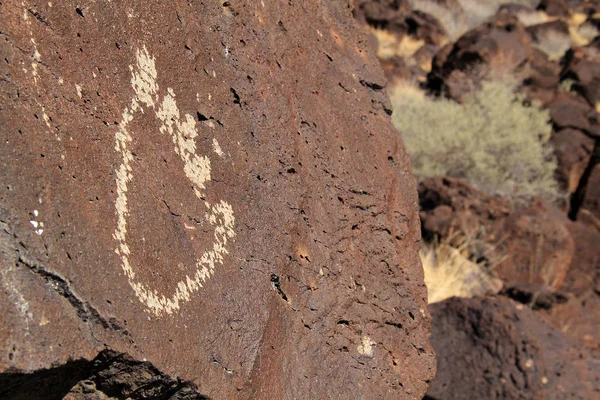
(555, 8)
(569, 111)
(573, 151)
(496, 48)
(150, 147)
(579, 316)
(590, 208)
(538, 245)
(450, 204)
(494, 348)
(533, 243)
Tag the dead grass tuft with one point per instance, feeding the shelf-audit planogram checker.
(389, 46)
(451, 272)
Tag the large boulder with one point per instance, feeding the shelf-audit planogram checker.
(496, 48)
(213, 188)
(495, 348)
(531, 244)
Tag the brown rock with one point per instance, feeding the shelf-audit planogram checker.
(573, 151)
(583, 66)
(380, 12)
(537, 245)
(579, 316)
(585, 272)
(397, 17)
(555, 8)
(502, 47)
(494, 348)
(544, 74)
(449, 204)
(569, 111)
(557, 26)
(585, 199)
(537, 296)
(108, 375)
(214, 188)
(496, 48)
(590, 207)
(397, 69)
(530, 245)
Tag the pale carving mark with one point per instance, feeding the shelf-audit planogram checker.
(183, 132)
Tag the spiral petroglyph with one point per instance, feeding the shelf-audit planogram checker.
(183, 132)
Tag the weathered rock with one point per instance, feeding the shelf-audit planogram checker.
(532, 244)
(569, 111)
(579, 316)
(555, 8)
(380, 12)
(534, 295)
(411, 36)
(494, 348)
(397, 17)
(496, 48)
(541, 31)
(214, 188)
(590, 206)
(573, 151)
(108, 376)
(538, 245)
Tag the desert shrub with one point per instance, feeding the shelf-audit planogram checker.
(494, 140)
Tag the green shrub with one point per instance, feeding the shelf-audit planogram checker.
(494, 140)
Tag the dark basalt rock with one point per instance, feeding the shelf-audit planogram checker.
(494, 348)
(213, 188)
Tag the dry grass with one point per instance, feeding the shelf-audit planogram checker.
(583, 34)
(389, 46)
(450, 271)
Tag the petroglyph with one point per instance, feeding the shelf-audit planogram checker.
(38, 226)
(217, 148)
(366, 347)
(183, 132)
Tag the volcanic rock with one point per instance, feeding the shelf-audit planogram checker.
(494, 348)
(555, 8)
(531, 244)
(569, 111)
(573, 150)
(496, 48)
(214, 188)
(396, 16)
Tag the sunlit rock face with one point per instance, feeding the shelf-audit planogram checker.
(207, 191)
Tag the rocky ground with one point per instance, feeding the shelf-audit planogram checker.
(536, 337)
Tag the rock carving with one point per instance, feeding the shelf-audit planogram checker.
(183, 132)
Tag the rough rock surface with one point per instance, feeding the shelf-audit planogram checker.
(496, 48)
(215, 188)
(579, 316)
(532, 244)
(494, 348)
